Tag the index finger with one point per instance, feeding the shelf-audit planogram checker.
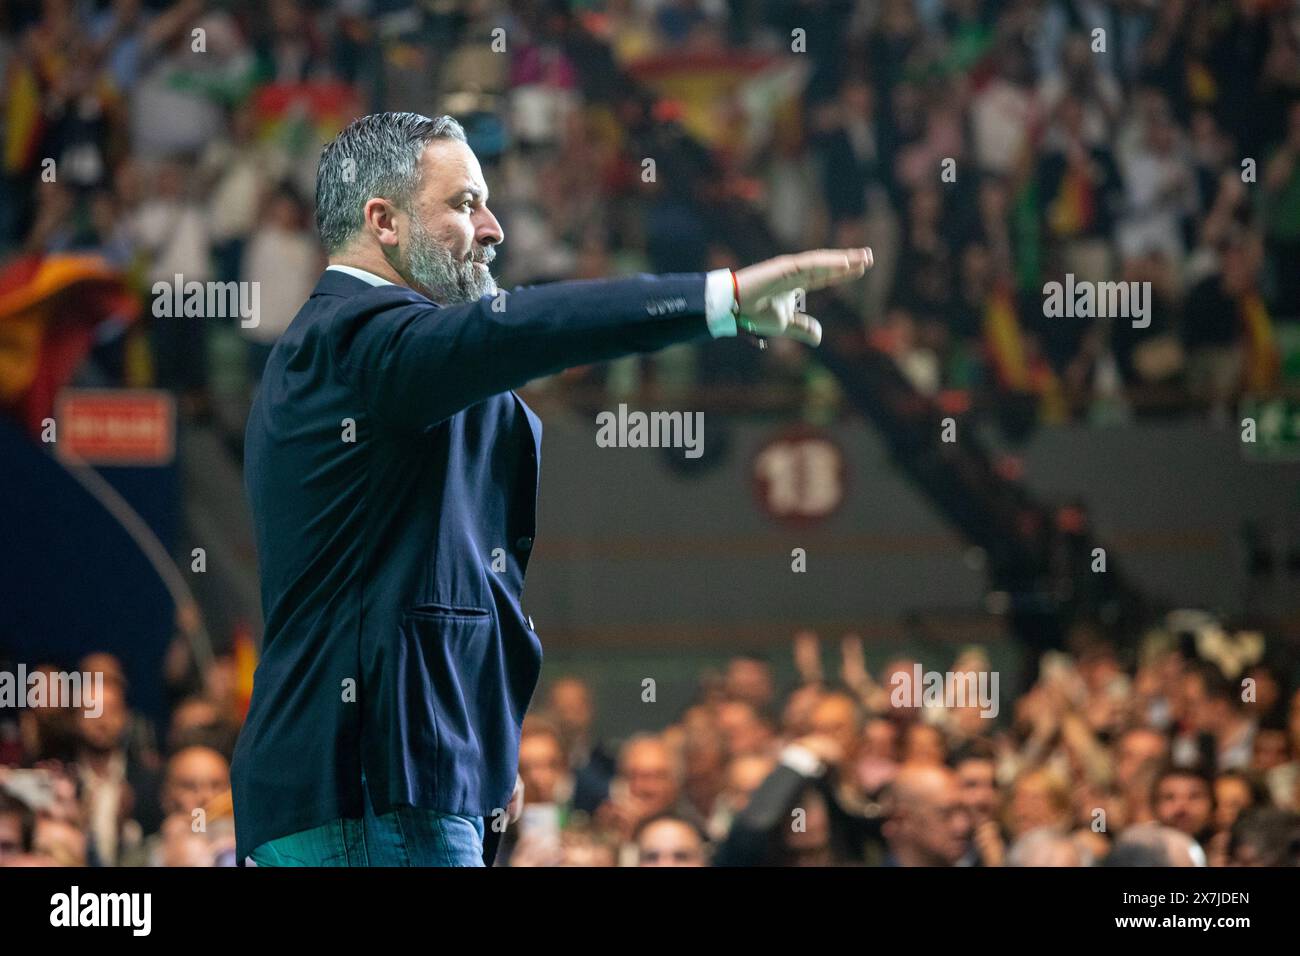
(823, 267)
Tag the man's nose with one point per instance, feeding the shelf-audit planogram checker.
(489, 231)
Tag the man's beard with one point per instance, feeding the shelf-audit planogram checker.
(440, 275)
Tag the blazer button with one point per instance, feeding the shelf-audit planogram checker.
(524, 544)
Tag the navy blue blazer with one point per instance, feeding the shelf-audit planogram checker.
(390, 468)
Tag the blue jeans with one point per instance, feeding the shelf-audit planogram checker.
(405, 837)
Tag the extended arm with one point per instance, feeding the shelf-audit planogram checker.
(418, 364)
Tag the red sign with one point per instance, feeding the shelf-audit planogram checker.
(799, 476)
(116, 426)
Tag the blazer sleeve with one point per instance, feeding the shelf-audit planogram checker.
(747, 842)
(417, 364)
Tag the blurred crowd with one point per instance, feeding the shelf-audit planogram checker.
(1122, 141)
(982, 149)
(1185, 753)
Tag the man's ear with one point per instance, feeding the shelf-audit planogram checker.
(380, 217)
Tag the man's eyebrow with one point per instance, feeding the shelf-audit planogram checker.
(478, 195)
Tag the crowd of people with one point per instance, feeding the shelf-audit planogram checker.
(1086, 142)
(983, 149)
(1185, 752)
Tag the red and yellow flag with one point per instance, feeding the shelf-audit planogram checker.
(245, 666)
(49, 308)
(1263, 363)
(1004, 343)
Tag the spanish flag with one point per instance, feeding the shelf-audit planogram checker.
(24, 124)
(1013, 369)
(717, 94)
(1004, 343)
(1262, 364)
(50, 307)
(245, 666)
(1074, 207)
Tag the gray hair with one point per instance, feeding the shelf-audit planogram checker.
(375, 156)
(1153, 844)
(1044, 846)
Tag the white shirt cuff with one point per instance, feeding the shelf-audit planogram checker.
(719, 297)
(802, 760)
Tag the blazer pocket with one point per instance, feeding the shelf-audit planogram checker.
(448, 612)
(445, 673)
